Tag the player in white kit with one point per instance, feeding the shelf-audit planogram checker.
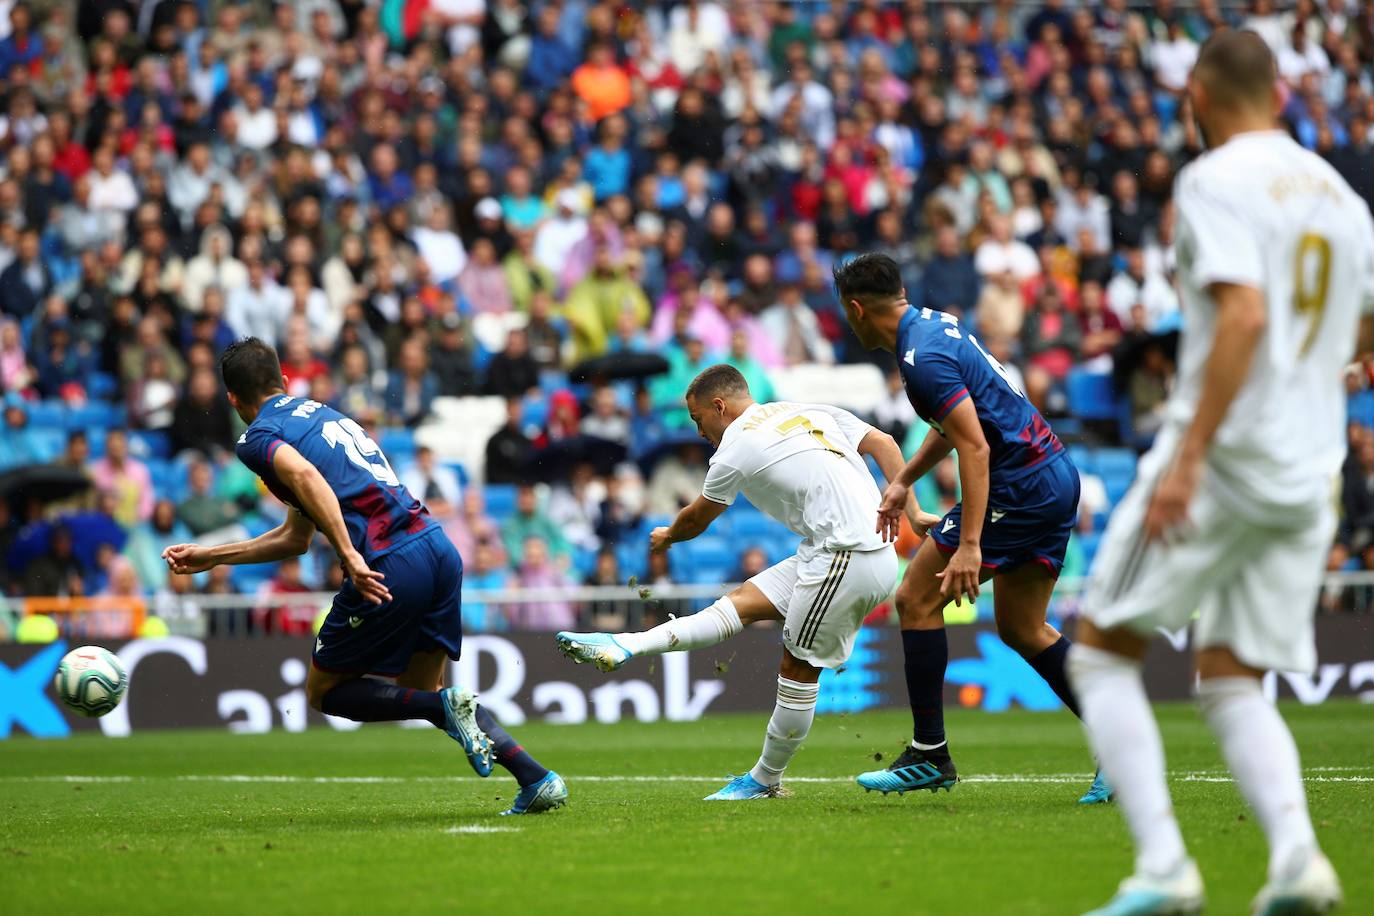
(1232, 511)
(803, 465)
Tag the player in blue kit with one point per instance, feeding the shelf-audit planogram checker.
(1020, 501)
(398, 614)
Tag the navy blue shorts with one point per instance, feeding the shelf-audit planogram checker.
(1028, 521)
(425, 577)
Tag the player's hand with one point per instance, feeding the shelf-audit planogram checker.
(367, 581)
(890, 511)
(960, 576)
(659, 540)
(187, 559)
(922, 521)
(1167, 517)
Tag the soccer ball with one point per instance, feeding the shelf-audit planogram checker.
(90, 681)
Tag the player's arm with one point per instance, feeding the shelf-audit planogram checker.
(690, 522)
(965, 433)
(1241, 320)
(289, 539)
(888, 455)
(318, 501)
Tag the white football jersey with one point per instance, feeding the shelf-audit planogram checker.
(798, 463)
(1261, 211)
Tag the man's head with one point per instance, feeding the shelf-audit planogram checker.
(870, 289)
(715, 399)
(1234, 85)
(252, 373)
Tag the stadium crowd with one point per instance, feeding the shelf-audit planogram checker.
(420, 200)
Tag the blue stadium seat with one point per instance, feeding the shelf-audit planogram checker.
(706, 559)
(535, 410)
(1116, 467)
(1091, 396)
(1089, 544)
(96, 414)
(101, 386)
(50, 414)
(1362, 408)
(500, 500)
(49, 441)
(148, 443)
(398, 444)
(459, 471)
(632, 557)
(583, 563)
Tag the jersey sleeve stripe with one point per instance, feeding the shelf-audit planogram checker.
(272, 449)
(950, 404)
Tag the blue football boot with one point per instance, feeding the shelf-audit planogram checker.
(1099, 793)
(460, 721)
(545, 795)
(914, 769)
(743, 788)
(600, 649)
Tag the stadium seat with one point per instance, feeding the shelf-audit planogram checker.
(50, 413)
(398, 444)
(500, 500)
(149, 443)
(1361, 408)
(49, 441)
(706, 559)
(1091, 396)
(1116, 467)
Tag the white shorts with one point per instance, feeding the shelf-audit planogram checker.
(824, 599)
(1253, 586)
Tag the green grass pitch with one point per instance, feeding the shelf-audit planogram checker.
(391, 820)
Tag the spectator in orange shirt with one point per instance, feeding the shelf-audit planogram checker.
(601, 82)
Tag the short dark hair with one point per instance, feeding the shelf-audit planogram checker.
(250, 369)
(1237, 67)
(868, 276)
(718, 381)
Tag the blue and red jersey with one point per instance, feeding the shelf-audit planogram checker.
(379, 511)
(943, 364)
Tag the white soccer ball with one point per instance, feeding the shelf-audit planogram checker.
(90, 681)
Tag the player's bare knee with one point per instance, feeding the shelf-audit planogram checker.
(314, 695)
(795, 669)
(1024, 637)
(918, 606)
(317, 686)
(1220, 661)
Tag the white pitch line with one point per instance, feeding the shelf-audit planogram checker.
(1315, 774)
(481, 828)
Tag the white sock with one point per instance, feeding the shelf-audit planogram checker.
(707, 627)
(1260, 751)
(791, 721)
(1125, 737)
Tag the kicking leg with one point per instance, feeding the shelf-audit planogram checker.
(1263, 757)
(1105, 669)
(715, 624)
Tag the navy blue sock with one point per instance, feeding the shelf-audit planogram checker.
(508, 753)
(926, 654)
(1049, 664)
(366, 700)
